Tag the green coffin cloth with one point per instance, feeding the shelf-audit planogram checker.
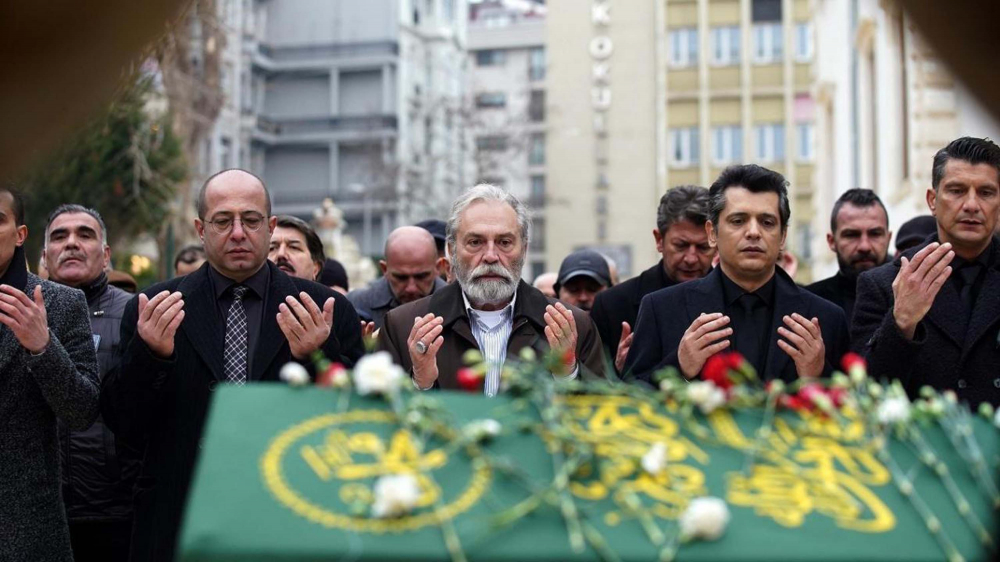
(282, 476)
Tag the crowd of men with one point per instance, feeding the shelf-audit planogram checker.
(105, 393)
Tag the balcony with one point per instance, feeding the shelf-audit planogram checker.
(297, 57)
(272, 130)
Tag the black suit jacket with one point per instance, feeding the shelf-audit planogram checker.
(164, 401)
(839, 289)
(665, 315)
(621, 304)
(941, 354)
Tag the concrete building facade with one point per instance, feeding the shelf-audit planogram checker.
(507, 108)
(886, 104)
(348, 100)
(655, 95)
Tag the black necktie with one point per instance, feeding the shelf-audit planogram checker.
(747, 334)
(968, 275)
(235, 353)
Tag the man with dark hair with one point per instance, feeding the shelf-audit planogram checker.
(98, 470)
(296, 248)
(747, 304)
(189, 259)
(237, 321)
(932, 316)
(859, 235)
(49, 371)
(683, 244)
(409, 273)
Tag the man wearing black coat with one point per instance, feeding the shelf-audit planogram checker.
(98, 470)
(235, 320)
(932, 316)
(859, 236)
(681, 239)
(747, 304)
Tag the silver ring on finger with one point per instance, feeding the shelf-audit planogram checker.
(420, 347)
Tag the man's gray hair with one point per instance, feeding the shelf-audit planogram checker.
(74, 208)
(486, 192)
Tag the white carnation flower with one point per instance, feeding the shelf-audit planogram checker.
(893, 410)
(655, 459)
(294, 374)
(377, 374)
(706, 396)
(395, 495)
(483, 430)
(705, 518)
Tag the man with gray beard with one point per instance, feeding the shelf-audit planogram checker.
(488, 308)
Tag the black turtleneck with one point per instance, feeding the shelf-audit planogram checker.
(17, 270)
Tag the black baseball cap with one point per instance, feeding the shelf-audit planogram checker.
(914, 231)
(587, 263)
(437, 229)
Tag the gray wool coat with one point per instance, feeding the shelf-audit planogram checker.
(61, 383)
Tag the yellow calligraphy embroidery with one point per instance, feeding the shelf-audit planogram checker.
(825, 470)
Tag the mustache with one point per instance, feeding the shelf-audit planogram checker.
(72, 256)
(284, 262)
(492, 269)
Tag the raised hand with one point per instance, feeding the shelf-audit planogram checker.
(560, 331)
(917, 285)
(159, 318)
(305, 326)
(624, 344)
(25, 317)
(704, 338)
(804, 345)
(424, 341)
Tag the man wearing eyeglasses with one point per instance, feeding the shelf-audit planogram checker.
(237, 319)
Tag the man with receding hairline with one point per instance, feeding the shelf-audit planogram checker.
(236, 321)
(409, 272)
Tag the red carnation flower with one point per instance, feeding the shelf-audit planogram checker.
(332, 375)
(717, 370)
(852, 360)
(469, 380)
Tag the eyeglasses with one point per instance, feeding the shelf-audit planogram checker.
(250, 221)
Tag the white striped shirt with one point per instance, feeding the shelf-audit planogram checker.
(492, 331)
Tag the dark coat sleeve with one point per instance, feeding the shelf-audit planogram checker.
(66, 371)
(875, 334)
(647, 354)
(589, 350)
(345, 344)
(601, 317)
(129, 391)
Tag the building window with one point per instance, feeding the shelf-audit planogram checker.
(684, 147)
(491, 143)
(684, 47)
(803, 42)
(537, 196)
(806, 141)
(767, 42)
(536, 64)
(491, 99)
(536, 150)
(725, 45)
(449, 11)
(490, 57)
(727, 144)
(536, 106)
(536, 243)
(770, 142)
(225, 153)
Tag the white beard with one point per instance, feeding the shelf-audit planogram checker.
(482, 292)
